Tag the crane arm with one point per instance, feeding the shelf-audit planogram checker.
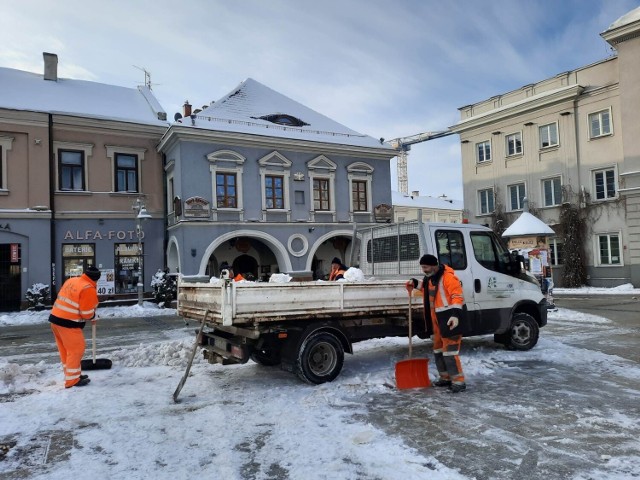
(404, 142)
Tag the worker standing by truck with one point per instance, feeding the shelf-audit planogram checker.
(76, 303)
(338, 269)
(443, 297)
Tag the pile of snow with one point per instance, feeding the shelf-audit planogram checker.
(625, 289)
(354, 275)
(279, 278)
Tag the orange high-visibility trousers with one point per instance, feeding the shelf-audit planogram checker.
(445, 351)
(71, 345)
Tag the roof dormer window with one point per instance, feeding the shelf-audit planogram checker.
(284, 119)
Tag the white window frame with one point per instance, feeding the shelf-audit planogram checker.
(516, 137)
(520, 205)
(599, 115)
(6, 144)
(553, 253)
(598, 261)
(603, 170)
(484, 143)
(360, 171)
(230, 162)
(275, 164)
(557, 201)
(479, 200)
(322, 168)
(87, 148)
(548, 127)
(111, 155)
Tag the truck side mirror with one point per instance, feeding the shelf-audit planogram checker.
(519, 263)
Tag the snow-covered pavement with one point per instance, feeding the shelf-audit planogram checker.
(557, 408)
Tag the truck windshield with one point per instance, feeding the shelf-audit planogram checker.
(491, 253)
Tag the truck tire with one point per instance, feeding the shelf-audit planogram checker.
(320, 358)
(522, 335)
(267, 358)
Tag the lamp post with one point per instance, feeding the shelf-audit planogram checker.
(140, 217)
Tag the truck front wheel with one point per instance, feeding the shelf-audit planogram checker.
(320, 358)
(523, 334)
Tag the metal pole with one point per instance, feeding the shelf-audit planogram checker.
(140, 285)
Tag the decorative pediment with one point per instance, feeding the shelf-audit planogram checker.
(275, 159)
(321, 163)
(226, 156)
(360, 167)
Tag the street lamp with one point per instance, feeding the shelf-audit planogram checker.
(141, 217)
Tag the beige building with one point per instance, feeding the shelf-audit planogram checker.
(577, 132)
(75, 156)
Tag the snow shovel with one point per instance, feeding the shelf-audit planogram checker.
(96, 364)
(414, 372)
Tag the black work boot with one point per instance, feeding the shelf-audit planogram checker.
(81, 383)
(441, 382)
(83, 376)
(457, 387)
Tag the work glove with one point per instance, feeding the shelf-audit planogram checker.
(453, 323)
(409, 286)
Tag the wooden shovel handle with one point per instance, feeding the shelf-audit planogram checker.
(93, 341)
(410, 326)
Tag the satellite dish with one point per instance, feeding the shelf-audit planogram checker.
(177, 116)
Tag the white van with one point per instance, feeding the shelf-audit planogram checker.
(501, 299)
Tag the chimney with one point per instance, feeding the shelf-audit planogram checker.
(186, 109)
(415, 193)
(50, 66)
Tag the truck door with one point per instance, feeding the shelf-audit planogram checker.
(451, 250)
(493, 287)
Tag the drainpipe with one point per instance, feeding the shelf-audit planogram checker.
(166, 211)
(52, 227)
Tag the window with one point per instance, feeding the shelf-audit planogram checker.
(490, 252)
(360, 176)
(359, 196)
(71, 170)
(552, 191)
(450, 244)
(226, 167)
(226, 190)
(555, 252)
(516, 196)
(76, 257)
(321, 194)
(126, 172)
(609, 249)
(514, 144)
(483, 151)
(485, 201)
(128, 267)
(6, 144)
(274, 191)
(600, 124)
(548, 135)
(322, 178)
(604, 183)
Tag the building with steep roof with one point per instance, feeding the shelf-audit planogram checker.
(572, 138)
(74, 157)
(268, 185)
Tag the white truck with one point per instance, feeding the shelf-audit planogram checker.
(307, 326)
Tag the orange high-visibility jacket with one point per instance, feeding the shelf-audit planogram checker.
(77, 300)
(337, 273)
(449, 296)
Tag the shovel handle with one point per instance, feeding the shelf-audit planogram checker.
(93, 341)
(410, 326)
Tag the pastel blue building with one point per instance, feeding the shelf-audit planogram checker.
(268, 185)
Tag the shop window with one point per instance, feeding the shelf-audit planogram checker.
(128, 262)
(76, 257)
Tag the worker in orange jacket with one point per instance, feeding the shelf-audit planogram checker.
(76, 303)
(445, 300)
(230, 274)
(337, 269)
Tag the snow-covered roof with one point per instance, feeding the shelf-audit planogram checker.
(31, 92)
(527, 224)
(243, 110)
(626, 19)
(404, 200)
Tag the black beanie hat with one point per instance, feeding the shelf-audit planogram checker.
(336, 260)
(429, 260)
(93, 273)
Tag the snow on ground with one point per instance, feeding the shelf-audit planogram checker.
(625, 289)
(234, 422)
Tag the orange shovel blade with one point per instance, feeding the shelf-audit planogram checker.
(413, 373)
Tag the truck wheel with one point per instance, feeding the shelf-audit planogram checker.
(320, 358)
(267, 358)
(523, 334)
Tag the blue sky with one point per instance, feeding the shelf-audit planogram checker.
(387, 69)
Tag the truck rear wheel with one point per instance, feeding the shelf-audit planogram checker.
(320, 358)
(523, 334)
